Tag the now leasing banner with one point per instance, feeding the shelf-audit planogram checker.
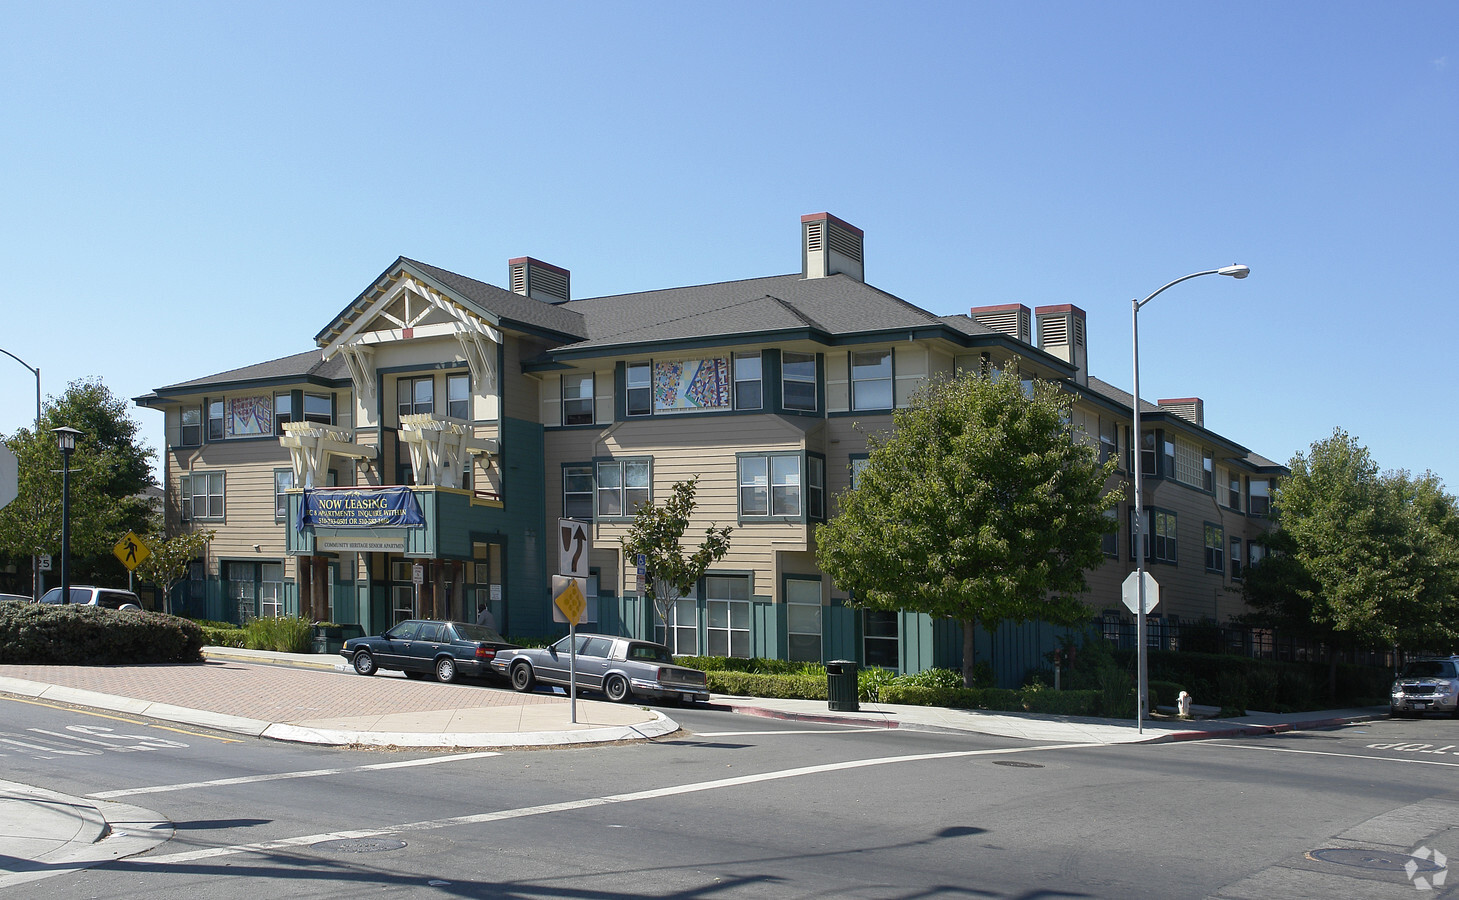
(359, 508)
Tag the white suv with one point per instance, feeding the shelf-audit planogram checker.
(1427, 685)
(107, 598)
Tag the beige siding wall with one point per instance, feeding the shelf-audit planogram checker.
(248, 500)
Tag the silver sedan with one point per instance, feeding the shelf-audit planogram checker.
(622, 668)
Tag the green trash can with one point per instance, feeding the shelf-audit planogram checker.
(841, 688)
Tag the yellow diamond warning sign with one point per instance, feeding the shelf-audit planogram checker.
(572, 602)
(132, 551)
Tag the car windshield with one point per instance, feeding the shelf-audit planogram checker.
(468, 632)
(650, 653)
(1429, 668)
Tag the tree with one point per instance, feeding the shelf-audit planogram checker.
(980, 505)
(1359, 558)
(170, 558)
(657, 532)
(109, 471)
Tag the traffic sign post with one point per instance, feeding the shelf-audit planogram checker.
(569, 600)
(1141, 593)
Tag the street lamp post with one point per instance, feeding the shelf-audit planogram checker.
(1136, 454)
(66, 438)
(35, 560)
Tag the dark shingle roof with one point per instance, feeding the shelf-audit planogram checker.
(511, 308)
(296, 367)
(834, 306)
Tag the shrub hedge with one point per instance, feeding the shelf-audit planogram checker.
(71, 635)
(1239, 682)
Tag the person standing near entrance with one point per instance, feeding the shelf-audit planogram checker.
(484, 616)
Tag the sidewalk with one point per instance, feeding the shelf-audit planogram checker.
(310, 698)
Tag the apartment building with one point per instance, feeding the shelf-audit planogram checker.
(416, 461)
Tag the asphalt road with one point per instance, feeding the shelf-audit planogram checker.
(743, 807)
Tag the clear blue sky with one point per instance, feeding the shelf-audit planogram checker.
(190, 187)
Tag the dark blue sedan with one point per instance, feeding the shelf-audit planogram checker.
(423, 647)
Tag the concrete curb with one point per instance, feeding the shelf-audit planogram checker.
(746, 709)
(95, 833)
(661, 726)
(1253, 730)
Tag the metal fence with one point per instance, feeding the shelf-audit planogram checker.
(1237, 640)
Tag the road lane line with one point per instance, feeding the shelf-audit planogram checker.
(98, 715)
(1393, 759)
(283, 776)
(567, 806)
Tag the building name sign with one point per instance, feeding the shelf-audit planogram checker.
(386, 507)
(359, 545)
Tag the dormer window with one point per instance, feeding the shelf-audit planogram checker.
(577, 399)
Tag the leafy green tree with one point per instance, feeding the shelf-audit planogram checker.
(1360, 558)
(110, 469)
(168, 563)
(980, 505)
(657, 532)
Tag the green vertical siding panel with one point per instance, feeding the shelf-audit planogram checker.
(839, 632)
(524, 522)
(767, 628)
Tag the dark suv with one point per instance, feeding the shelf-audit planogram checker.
(1427, 685)
(106, 598)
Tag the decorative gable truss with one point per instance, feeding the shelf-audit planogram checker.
(311, 448)
(439, 448)
(416, 310)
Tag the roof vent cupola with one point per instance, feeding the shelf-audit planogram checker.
(829, 246)
(1011, 319)
(1061, 334)
(539, 280)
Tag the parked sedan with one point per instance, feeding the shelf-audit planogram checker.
(422, 647)
(620, 667)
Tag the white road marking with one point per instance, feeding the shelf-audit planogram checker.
(567, 806)
(283, 776)
(1392, 759)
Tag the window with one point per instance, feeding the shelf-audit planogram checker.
(1110, 540)
(770, 485)
(1170, 470)
(577, 492)
(623, 484)
(879, 644)
(1109, 440)
(727, 604)
(1255, 553)
(202, 496)
(749, 391)
(1233, 499)
(415, 396)
(215, 420)
(283, 481)
(1208, 471)
(803, 620)
(192, 426)
(319, 408)
(1109, 623)
(458, 396)
(1215, 548)
(1160, 542)
(1261, 500)
(815, 489)
(858, 465)
(283, 411)
(1147, 453)
(271, 590)
(682, 636)
(871, 379)
(577, 399)
(798, 377)
(1236, 558)
(639, 380)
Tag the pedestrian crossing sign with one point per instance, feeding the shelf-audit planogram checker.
(132, 551)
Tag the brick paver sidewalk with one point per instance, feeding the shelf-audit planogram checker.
(271, 693)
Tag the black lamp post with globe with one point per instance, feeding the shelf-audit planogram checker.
(66, 439)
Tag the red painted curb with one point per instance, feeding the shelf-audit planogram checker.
(805, 717)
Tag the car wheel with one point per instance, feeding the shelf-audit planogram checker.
(616, 687)
(445, 670)
(364, 663)
(522, 677)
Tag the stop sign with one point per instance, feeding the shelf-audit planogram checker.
(1130, 593)
(9, 476)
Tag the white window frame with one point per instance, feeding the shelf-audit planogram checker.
(1215, 553)
(204, 503)
(217, 416)
(458, 396)
(611, 478)
(786, 378)
(271, 591)
(871, 375)
(283, 482)
(578, 400)
(682, 634)
(283, 410)
(728, 617)
(770, 476)
(196, 427)
(584, 496)
(413, 405)
(804, 618)
(324, 416)
(744, 363)
(638, 381)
